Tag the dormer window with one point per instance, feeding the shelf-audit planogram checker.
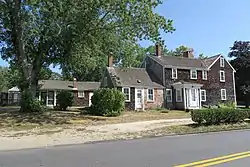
(174, 73)
(222, 62)
(193, 74)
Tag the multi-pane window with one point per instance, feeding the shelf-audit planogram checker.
(203, 95)
(150, 94)
(193, 74)
(204, 75)
(174, 73)
(222, 62)
(81, 94)
(222, 76)
(178, 95)
(223, 94)
(169, 95)
(126, 92)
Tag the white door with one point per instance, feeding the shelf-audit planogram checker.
(90, 95)
(193, 98)
(138, 98)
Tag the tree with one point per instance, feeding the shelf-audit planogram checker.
(202, 56)
(240, 51)
(3, 78)
(36, 33)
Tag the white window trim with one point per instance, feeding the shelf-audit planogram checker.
(128, 92)
(171, 95)
(177, 96)
(80, 95)
(173, 73)
(205, 95)
(191, 77)
(148, 94)
(204, 73)
(222, 62)
(222, 80)
(221, 94)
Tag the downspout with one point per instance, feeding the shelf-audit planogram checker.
(235, 101)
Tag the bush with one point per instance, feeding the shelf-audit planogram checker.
(219, 115)
(107, 102)
(64, 100)
(28, 104)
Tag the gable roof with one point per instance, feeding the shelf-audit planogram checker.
(212, 60)
(131, 77)
(67, 85)
(179, 62)
(208, 61)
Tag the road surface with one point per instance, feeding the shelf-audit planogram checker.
(152, 152)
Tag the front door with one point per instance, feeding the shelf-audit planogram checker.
(193, 98)
(90, 96)
(138, 98)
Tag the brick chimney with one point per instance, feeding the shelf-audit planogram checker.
(158, 49)
(188, 53)
(110, 60)
(74, 84)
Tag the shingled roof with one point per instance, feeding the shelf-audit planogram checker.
(208, 61)
(131, 77)
(67, 85)
(181, 62)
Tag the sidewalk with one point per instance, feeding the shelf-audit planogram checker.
(80, 134)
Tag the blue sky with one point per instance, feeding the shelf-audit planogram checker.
(208, 26)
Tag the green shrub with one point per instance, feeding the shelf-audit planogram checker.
(64, 99)
(107, 102)
(227, 105)
(219, 115)
(28, 104)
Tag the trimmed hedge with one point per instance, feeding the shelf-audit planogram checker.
(219, 115)
(107, 102)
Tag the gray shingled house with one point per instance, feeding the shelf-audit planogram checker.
(83, 91)
(191, 83)
(141, 91)
(182, 82)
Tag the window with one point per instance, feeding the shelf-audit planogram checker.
(51, 98)
(178, 95)
(126, 92)
(203, 95)
(81, 94)
(222, 62)
(174, 73)
(223, 94)
(150, 94)
(204, 75)
(169, 95)
(193, 74)
(222, 76)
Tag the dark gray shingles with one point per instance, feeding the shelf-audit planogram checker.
(132, 77)
(67, 85)
(179, 61)
(210, 60)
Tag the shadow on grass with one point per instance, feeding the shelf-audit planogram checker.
(12, 117)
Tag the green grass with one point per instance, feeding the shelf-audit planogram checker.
(192, 129)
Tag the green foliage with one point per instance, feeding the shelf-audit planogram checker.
(107, 102)
(240, 51)
(64, 99)
(29, 104)
(219, 115)
(227, 105)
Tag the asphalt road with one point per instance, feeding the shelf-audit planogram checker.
(153, 152)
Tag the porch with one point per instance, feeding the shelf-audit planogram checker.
(187, 95)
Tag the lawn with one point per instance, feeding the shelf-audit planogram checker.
(11, 118)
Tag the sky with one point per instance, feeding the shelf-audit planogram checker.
(208, 26)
